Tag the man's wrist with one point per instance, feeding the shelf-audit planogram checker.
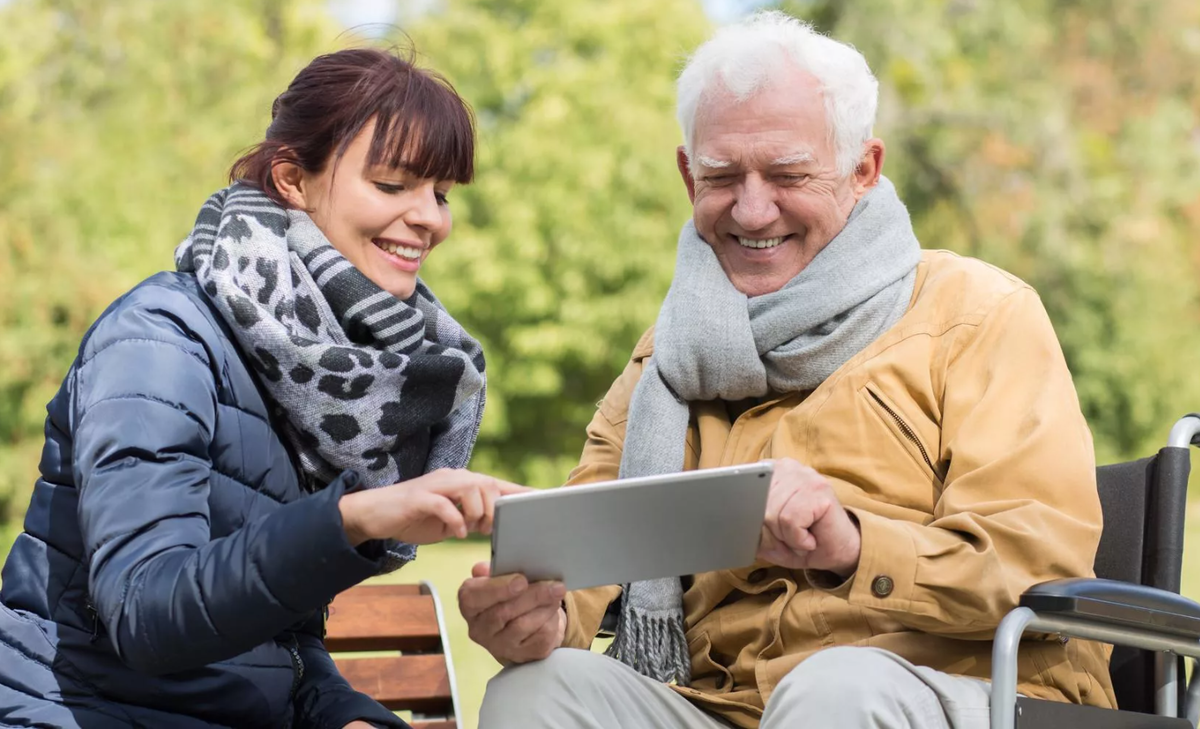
(847, 570)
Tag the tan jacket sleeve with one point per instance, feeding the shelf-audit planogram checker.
(1020, 504)
(601, 461)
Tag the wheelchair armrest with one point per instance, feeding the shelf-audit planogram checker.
(1109, 602)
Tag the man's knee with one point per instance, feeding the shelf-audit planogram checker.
(853, 687)
(836, 674)
(533, 694)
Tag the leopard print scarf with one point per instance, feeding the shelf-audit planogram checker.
(363, 381)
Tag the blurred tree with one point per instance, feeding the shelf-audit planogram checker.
(564, 247)
(116, 122)
(1060, 140)
(1055, 138)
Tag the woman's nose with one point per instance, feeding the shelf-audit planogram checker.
(425, 212)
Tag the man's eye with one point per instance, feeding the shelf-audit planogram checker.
(719, 179)
(791, 179)
(388, 188)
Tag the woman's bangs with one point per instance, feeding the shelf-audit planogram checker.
(430, 133)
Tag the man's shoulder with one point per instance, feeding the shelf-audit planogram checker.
(644, 347)
(956, 285)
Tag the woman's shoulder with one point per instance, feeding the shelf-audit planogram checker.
(167, 307)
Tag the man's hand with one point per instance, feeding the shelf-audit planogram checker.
(515, 621)
(806, 526)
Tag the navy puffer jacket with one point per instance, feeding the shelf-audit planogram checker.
(172, 572)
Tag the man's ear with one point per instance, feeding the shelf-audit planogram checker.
(870, 167)
(290, 181)
(685, 171)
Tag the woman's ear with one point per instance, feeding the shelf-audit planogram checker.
(290, 181)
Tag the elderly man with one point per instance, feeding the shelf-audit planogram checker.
(931, 458)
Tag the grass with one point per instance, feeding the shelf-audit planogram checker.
(446, 565)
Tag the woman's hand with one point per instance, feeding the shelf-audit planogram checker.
(446, 503)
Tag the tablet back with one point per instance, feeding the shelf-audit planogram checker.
(634, 529)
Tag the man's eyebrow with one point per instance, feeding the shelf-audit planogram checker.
(713, 163)
(793, 159)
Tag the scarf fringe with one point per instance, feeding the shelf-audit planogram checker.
(653, 644)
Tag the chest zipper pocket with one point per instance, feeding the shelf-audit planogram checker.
(892, 416)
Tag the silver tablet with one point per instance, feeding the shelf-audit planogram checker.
(634, 529)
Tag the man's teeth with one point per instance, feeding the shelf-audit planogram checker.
(763, 243)
(403, 251)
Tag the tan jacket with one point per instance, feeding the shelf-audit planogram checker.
(957, 441)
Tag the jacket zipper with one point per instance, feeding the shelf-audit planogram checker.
(293, 649)
(907, 431)
(94, 614)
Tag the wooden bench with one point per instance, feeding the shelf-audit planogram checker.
(407, 621)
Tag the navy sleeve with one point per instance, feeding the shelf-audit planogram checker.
(171, 598)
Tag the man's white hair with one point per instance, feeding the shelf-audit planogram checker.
(745, 57)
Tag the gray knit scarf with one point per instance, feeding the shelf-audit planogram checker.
(359, 379)
(712, 342)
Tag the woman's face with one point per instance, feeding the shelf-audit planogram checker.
(385, 221)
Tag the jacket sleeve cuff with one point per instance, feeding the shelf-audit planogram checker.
(311, 559)
(887, 566)
(585, 610)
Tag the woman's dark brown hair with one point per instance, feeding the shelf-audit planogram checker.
(421, 123)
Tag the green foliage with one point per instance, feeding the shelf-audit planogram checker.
(117, 120)
(1060, 140)
(564, 247)
(1055, 138)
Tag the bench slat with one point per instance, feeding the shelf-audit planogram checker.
(418, 683)
(382, 617)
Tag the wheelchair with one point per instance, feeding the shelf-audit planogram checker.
(1133, 604)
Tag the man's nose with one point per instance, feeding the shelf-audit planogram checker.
(755, 207)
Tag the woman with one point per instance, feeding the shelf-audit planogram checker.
(285, 415)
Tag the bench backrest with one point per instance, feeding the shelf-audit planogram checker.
(405, 620)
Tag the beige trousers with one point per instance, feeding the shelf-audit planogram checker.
(842, 688)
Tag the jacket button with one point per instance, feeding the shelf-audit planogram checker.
(757, 575)
(882, 586)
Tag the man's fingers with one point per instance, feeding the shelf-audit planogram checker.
(482, 593)
(526, 627)
(494, 620)
(776, 520)
(794, 523)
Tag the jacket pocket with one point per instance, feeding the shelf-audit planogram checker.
(708, 675)
(889, 413)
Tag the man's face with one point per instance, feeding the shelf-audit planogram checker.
(764, 185)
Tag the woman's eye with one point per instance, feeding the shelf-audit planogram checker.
(441, 198)
(388, 188)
